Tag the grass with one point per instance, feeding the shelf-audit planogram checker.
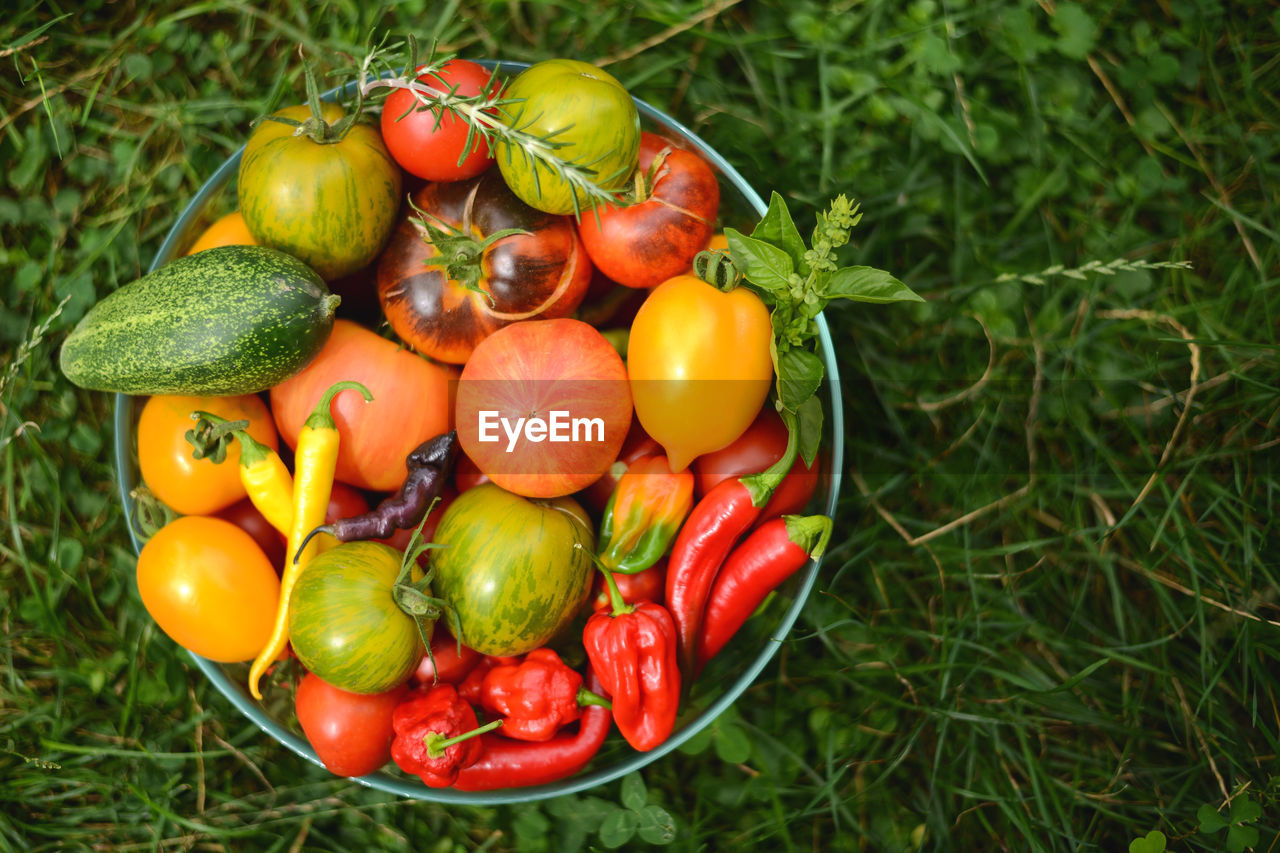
(1049, 618)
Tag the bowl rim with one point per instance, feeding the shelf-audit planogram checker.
(379, 780)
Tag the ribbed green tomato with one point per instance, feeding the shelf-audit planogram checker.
(515, 570)
(345, 624)
(587, 113)
(330, 204)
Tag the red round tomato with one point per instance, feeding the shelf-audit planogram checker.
(209, 587)
(543, 407)
(350, 732)
(432, 143)
(443, 295)
(245, 515)
(188, 485)
(649, 585)
(648, 242)
(466, 475)
(445, 662)
(760, 446)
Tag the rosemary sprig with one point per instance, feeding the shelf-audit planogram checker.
(485, 115)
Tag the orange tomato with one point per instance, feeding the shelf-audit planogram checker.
(230, 230)
(188, 485)
(209, 587)
(699, 364)
(411, 403)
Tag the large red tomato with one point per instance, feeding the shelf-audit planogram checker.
(432, 143)
(444, 294)
(648, 242)
(350, 732)
(411, 403)
(543, 407)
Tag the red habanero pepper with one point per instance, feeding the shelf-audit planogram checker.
(770, 555)
(437, 734)
(644, 512)
(507, 763)
(537, 696)
(632, 649)
(708, 535)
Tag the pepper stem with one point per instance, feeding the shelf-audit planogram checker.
(762, 485)
(320, 417)
(617, 603)
(810, 532)
(438, 743)
(587, 697)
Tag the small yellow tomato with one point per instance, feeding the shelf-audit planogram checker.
(209, 587)
(228, 230)
(185, 484)
(699, 365)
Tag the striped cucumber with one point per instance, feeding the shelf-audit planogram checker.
(225, 321)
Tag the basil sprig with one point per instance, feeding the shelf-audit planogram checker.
(797, 282)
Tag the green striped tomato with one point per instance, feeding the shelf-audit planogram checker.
(344, 624)
(331, 204)
(515, 570)
(591, 118)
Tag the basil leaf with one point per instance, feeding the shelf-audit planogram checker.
(867, 284)
(809, 429)
(764, 265)
(800, 373)
(778, 228)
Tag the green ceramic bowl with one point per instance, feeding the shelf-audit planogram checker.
(725, 678)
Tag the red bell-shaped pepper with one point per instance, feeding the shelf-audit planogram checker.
(643, 514)
(436, 735)
(537, 696)
(632, 650)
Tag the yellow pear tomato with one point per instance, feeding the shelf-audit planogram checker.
(699, 364)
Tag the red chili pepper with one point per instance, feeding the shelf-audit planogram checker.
(708, 535)
(643, 514)
(437, 734)
(770, 555)
(537, 696)
(507, 763)
(632, 648)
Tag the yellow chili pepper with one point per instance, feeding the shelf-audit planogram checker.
(262, 472)
(315, 460)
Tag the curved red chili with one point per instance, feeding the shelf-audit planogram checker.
(507, 763)
(770, 555)
(708, 535)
